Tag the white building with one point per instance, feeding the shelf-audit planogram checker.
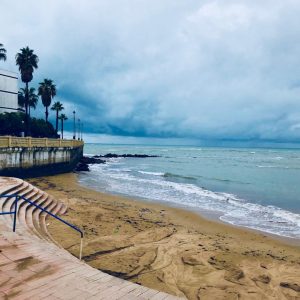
(8, 91)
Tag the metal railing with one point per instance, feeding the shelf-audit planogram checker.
(29, 142)
(15, 204)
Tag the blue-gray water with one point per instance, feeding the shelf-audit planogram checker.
(255, 188)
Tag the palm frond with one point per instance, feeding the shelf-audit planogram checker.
(2, 53)
(27, 61)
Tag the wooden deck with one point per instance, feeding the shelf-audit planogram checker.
(32, 266)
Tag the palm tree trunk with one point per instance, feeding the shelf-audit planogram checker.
(26, 111)
(46, 113)
(56, 125)
(62, 128)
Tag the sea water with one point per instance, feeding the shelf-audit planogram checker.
(254, 188)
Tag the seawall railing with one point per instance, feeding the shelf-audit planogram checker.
(29, 142)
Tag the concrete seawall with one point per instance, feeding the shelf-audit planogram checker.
(32, 161)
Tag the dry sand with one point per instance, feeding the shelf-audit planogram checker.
(173, 250)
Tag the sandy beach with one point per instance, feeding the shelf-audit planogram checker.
(173, 250)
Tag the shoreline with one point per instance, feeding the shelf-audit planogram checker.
(172, 249)
(209, 215)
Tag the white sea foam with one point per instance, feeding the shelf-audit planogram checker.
(113, 160)
(152, 173)
(274, 167)
(125, 170)
(231, 208)
(266, 166)
(88, 154)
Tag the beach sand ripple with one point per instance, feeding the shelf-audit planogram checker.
(173, 250)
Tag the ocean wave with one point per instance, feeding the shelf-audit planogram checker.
(270, 219)
(113, 160)
(266, 166)
(225, 180)
(171, 175)
(232, 209)
(276, 167)
(152, 173)
(125, 170)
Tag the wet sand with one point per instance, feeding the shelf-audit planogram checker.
(173, 250)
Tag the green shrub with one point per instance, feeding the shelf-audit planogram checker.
(13, 124)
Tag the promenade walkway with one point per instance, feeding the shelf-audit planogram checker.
(33, 266)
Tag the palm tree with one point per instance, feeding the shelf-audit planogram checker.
(57, 106)
(2, 53)
(27, 62)
(32, 99)
(62, 118)
(47, 90)
(21, 97)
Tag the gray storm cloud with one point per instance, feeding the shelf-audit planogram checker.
(197, 69)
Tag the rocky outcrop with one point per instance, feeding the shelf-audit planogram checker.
(92, 160)
(112, 155)
(85, 161)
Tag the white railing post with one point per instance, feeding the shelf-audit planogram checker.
(81, 245)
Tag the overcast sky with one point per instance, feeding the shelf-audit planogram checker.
(204, 70)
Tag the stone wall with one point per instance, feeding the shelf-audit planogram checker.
(38, 161)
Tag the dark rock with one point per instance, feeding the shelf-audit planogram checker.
(91, 160)
(84, 162)
(96, 159)
(82, 167)
(113, 155)
(110, 155)
(138, 155)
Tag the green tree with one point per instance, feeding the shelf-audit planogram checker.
(57, 106)
(2, 53)
(47, 90)
(27, 61)
(41, 128)
(32, 99)
(13, 124)
(62, 118)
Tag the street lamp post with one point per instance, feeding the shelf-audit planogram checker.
(74, 126)
(78, 129)
(23, 132)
